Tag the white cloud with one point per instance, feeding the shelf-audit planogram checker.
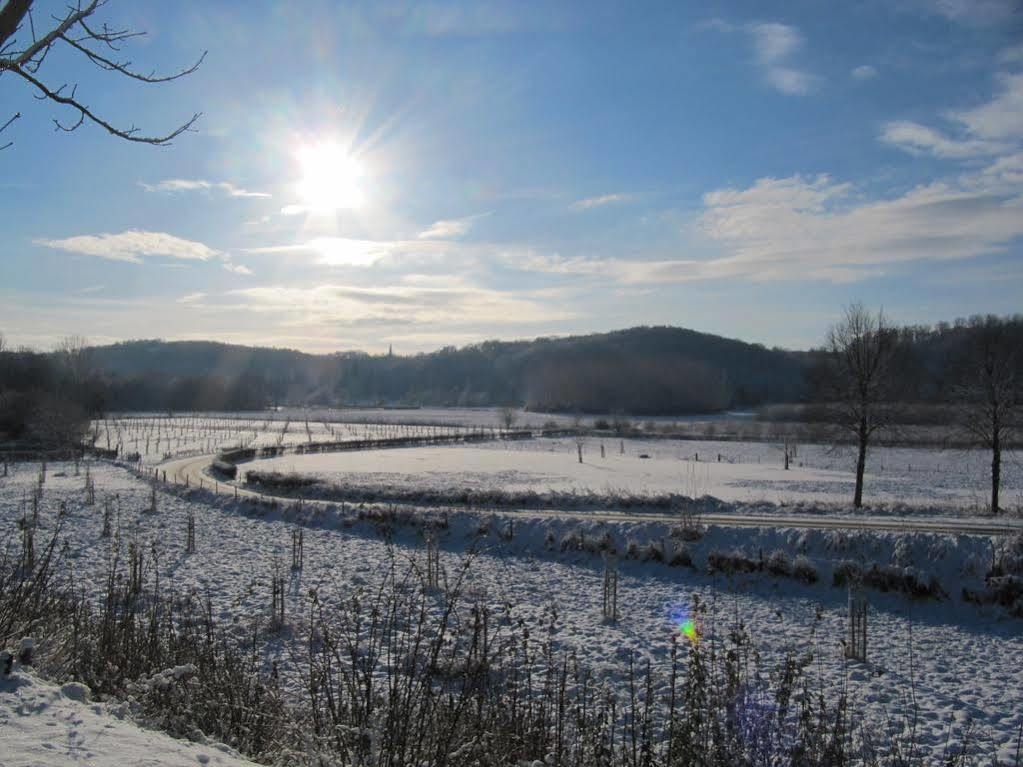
(597, 202)
(800, 228)
(457, 304)
(919, 139)
(989, 129)
(237, 268)
(173, 185)
(864, 72)
(132, 246)
(796, 228)
(774, 45)
(1000, 118)
(340, 251)
(450, 229)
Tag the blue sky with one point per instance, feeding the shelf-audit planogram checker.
(425, 174)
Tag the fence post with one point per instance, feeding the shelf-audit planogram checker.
(856, 645)
(610, 593)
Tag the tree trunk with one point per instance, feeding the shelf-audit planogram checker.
(996, 469)
(861, 465)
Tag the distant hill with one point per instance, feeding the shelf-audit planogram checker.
(638, 371)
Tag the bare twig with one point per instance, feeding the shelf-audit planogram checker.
(75, 31)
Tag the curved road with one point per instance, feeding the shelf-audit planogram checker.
(193, 471)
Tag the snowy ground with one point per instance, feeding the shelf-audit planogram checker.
(962, 661)
(747, 472)
(156, 438)
(45, 724)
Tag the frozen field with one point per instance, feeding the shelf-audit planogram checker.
(959, 662)
(747, 472)
(156, 439)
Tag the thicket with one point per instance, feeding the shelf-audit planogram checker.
(408, 673)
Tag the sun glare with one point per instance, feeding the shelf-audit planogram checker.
(331, 178)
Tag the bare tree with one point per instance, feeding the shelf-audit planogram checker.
(75, 358)
(862, 350)
(3, 343)
(508, 417)
(58, 424)
(24, 48)
(989, 389)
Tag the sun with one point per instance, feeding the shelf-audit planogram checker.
(331, 178)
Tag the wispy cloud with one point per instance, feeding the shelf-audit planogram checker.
(336, 251)
(864, 72)
(598, 202)
(918, 139)
(1000, 118)
(797, 228)
(992, 128)
(979, 12)
(450, 229)
(176, 185)
(775, 45)
(239, 269)
(132, 246)
(457, 304)
(800, 228)
(1012, 55)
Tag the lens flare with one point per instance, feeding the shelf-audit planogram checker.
(683, 623)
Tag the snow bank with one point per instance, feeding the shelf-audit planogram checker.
(43, 724)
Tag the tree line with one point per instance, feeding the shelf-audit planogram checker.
(868, 376)
(869, 369)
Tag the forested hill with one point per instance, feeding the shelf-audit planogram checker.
(638, 371)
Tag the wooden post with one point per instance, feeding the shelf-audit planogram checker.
(610, 594)
(432, 562)
(190, 539)
(856, 644)
(297, 550)
(277, 598)
(107, 514)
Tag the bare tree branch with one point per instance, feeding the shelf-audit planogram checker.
(72, 30)
(5, 126)
(11, 16)
(84, 113)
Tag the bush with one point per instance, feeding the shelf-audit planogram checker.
(730, 562)
(803, 570)
(778, 563)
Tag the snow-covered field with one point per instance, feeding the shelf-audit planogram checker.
(747, 472)
(157, 438)
(959, 662)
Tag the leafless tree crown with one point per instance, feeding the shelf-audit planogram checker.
(26, 41)
(863, 347)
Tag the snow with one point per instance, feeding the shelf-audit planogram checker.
(158, 438)
(962, 660)
(747, 472)
(42, 724)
